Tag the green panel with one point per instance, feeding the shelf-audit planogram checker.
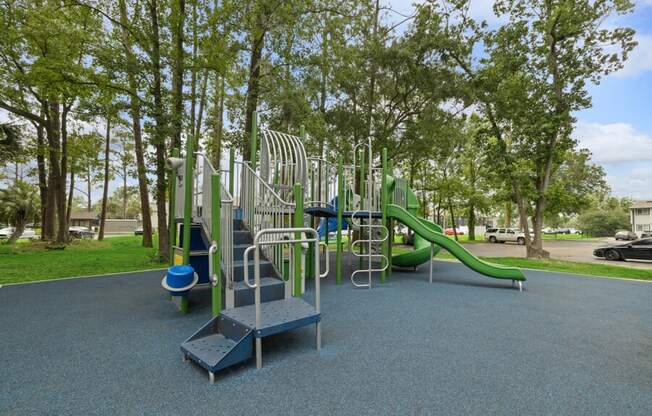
(430, 234)
(298, 223)
(340, 210)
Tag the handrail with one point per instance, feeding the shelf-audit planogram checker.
(328, 264)
(266, 185)
(210, 165)
(256, 286)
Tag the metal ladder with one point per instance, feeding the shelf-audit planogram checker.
(370, 240)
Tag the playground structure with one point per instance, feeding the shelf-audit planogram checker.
(266, 217)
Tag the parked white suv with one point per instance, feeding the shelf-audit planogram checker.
(501, 235)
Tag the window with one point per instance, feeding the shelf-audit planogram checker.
(642, 211)
(501, 231)
(510, 231)
(643, 227)
(645, 242)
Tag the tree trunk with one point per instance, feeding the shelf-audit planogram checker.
(105, 191)
(42, 180)
(178, 21)
(219, 122)
(471, 222)
(71, 193)
(134, 107)
(89, 202)
(19, 229)
(253, 84)
(159, 136)
(62, 232)
(55, 194)
(125, 195)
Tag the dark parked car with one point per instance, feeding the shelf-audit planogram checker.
(646, 234)
(635, 250)
(80, 233)
(625, 236)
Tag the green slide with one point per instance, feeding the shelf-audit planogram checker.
(431, 232)
(421, 252)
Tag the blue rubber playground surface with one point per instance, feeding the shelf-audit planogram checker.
(466, 344)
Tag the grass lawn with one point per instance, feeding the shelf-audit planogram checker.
(30, 261)
(591, 269)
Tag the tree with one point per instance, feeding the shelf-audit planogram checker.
(533, 77)
(19, 205)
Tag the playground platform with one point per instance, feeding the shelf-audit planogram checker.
(569, 345)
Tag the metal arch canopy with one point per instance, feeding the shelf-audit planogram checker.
(283, 158)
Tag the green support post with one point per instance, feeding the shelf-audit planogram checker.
(254, 139)
(172, 226)
(390, 169)
(383, 207)
(298, 223)
(231, 170)
(340, 209)
(362, 206)
(216, 207)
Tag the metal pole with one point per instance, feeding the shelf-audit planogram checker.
(254, 139)
(172, 227)
(298, 223)
(432, 253)
(232, 170)
(383, 207)
(362, 195)
(216, 208)
(340, 210)
(369, 204)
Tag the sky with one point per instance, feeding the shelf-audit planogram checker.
(617, 129)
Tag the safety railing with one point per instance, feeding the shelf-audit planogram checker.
(203, 202)
(322, 178)
(263, 208)
(280, 237)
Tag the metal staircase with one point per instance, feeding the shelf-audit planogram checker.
(262, 308)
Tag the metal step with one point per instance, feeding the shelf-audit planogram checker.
(238, 251)
(271, 289)
(220, 343)
(266, 269)
(242, 237)
(238, 225)
(276, 316)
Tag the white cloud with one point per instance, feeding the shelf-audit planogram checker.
(614, 143)
(635, 183)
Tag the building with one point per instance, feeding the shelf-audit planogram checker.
(641, 216)
(86, 219)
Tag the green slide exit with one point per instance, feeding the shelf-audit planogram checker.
(431, 232)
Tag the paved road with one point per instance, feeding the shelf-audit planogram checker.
(570, 250)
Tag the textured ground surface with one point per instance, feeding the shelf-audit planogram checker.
(463, 345)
